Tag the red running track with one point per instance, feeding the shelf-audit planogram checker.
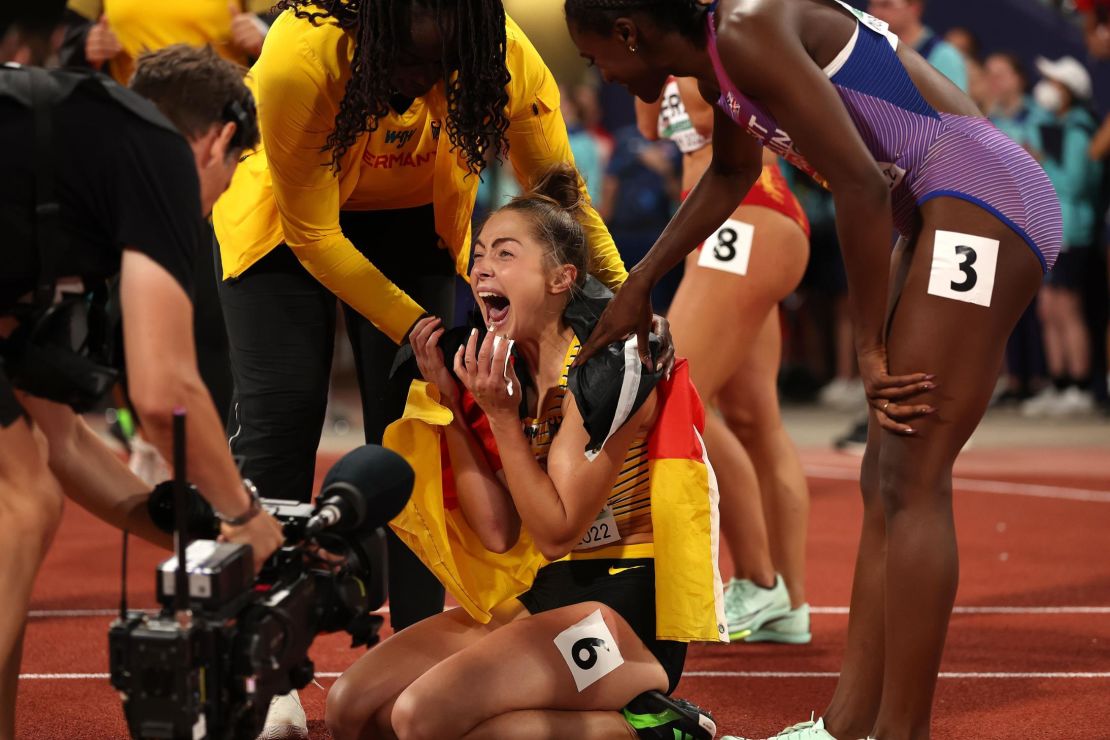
(1028, 650)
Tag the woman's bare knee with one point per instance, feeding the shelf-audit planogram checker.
(869, 479)
(911, 477)
(356, 705)
(31, 501)
(415, 717)
(346, 711)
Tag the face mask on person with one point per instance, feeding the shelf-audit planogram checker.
(1048, 96)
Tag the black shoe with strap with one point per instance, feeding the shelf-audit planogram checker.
(655, 716)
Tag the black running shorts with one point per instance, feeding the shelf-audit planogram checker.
(625, 586)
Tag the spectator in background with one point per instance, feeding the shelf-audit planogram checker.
(588, 102)
(1007, 83)
(1060, 132)
(115, 31)
(1010, 109)
(640, 189)
(585, 145)
(499, 185)
(904, 17)
(1096, 26)
(590, 150)
(967, 43)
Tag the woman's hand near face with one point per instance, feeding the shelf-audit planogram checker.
(424, 340)
(487, 373)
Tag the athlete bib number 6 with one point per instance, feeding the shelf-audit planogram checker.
(963, 267)
(729, 249)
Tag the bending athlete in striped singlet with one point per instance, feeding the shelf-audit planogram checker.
(832, 91)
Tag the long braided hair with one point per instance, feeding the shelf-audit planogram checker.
(597, 16)
(473, 33)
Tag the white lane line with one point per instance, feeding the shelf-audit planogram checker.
(1015, 610)
(981, 486)
(831, 674)
(693, 674)
(55, 613)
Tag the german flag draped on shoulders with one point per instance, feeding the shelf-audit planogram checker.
(684, 498)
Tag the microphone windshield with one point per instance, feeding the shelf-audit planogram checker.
(381, 477)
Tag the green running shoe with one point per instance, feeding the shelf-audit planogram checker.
(657, 717)
(792, 629)
(749, 607)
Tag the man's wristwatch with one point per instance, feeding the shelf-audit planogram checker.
(251, 512)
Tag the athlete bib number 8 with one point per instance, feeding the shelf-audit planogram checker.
(963, 267)
(729, 249)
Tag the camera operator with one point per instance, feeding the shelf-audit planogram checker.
(130, 191)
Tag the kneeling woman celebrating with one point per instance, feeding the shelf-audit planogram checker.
(571, 513)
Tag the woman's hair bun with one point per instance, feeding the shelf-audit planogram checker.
(560, 184)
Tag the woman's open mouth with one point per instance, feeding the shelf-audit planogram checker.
(497, 307)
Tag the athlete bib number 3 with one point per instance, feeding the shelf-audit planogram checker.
(729, 249)
(963, 267)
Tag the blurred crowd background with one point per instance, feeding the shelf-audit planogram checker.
(1040, 69)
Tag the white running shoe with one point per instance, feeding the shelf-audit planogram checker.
(802, 731)
(147, 463)
(285, 719)
(792, 629)
(749, 607)
(1073, 402)
(1041, 404)
(844, 394)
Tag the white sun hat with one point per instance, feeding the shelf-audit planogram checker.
(1069, 72)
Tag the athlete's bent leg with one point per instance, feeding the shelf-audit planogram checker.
(750, 406)
(963, 343)
(749, 400)
(91, 473)
(551, 724)
(519, 667)
(855, 703)
(742, 519)
(715, 318)
(30, 510)
(361, 701)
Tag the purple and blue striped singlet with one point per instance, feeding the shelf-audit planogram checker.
(924, 153)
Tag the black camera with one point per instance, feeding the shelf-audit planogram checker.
(209, 670)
